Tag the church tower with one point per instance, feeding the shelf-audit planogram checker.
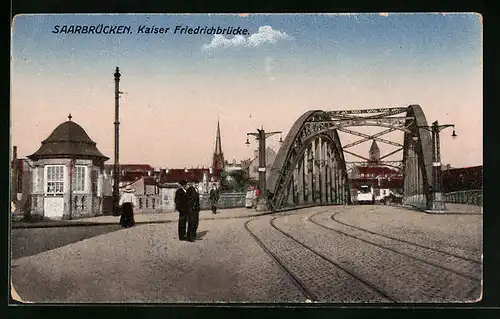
(218, 158)
(374, 154)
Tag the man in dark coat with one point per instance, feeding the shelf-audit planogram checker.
(182, 206)
(214, 198)
(194, 210)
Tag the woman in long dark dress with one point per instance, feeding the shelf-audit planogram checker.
(127, 203)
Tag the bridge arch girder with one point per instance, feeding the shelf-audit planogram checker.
(417, 159)
(295, 152)
(317, 125)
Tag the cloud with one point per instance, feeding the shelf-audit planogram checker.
(384, 14)
(219, 41)
(265, 34)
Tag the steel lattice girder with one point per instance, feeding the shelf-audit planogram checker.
(316, 122)
(369, 137)
(294, 146)
(297, 156)
(389, 110)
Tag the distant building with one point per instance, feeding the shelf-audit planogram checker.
(382, 178)
(205, 177)
(374, 154)
(253, 167)
(130, 172)
(67, 176)
(463, 179)
(21, 183)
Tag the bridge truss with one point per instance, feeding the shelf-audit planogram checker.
(310, 167)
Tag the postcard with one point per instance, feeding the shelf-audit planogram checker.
(246, 158)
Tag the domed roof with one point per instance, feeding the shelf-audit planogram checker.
(68, 140)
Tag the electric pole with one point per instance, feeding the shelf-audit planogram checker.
(116, 167)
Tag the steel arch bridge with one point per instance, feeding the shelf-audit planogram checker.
(310, 168)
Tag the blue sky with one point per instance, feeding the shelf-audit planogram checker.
(317, 62)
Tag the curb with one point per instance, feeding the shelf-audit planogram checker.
(87, 224)
(439, 212)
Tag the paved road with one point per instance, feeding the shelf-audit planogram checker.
(32, 241)
(324, 254)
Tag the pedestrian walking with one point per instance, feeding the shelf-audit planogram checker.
(127, 202)
(194, 210)
(182, 206)
(214, 198)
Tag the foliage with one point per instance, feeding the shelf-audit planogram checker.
(236, 181)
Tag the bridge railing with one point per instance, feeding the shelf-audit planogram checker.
(471, 197)
(226, 200)
(416, 200)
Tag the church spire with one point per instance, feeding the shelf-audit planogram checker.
(218, 143)
(374, 153)
(218, 158)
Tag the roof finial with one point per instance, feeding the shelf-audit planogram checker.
(70, 117)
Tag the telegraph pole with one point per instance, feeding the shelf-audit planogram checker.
(261, 136)
(116, 167)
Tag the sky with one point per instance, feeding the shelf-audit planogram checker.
(177, 86)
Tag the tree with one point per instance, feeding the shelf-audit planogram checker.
(236, 181)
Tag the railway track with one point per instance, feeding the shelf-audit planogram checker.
(405, 241)
(308, 294)
(438, 251)
(303, 289)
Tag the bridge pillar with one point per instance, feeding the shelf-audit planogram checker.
(327, 177)
(330, 177)
(341, 189)
(314, 181)
(324, 198)
(317, 172)
(300, 182)
(309, 176)
(338, 194)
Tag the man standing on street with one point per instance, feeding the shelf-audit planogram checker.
(194, 210)
(182, 206)
(214, 198)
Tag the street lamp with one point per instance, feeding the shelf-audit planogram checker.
(261, 136)
(116, 166)
(437, 202)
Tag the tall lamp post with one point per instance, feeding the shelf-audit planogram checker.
(437, 202)
(261, 136)
(116, 167)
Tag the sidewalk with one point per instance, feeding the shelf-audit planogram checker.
(143, 218)
(458, 209)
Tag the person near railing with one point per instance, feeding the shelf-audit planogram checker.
(214, 198)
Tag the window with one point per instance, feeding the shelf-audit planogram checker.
(54, 179)
(78, 178)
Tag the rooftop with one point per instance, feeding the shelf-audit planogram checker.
(68, 140)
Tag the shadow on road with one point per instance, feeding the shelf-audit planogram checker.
(201, 234)
(32, 241)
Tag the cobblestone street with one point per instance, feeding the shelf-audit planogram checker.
(333, 254)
